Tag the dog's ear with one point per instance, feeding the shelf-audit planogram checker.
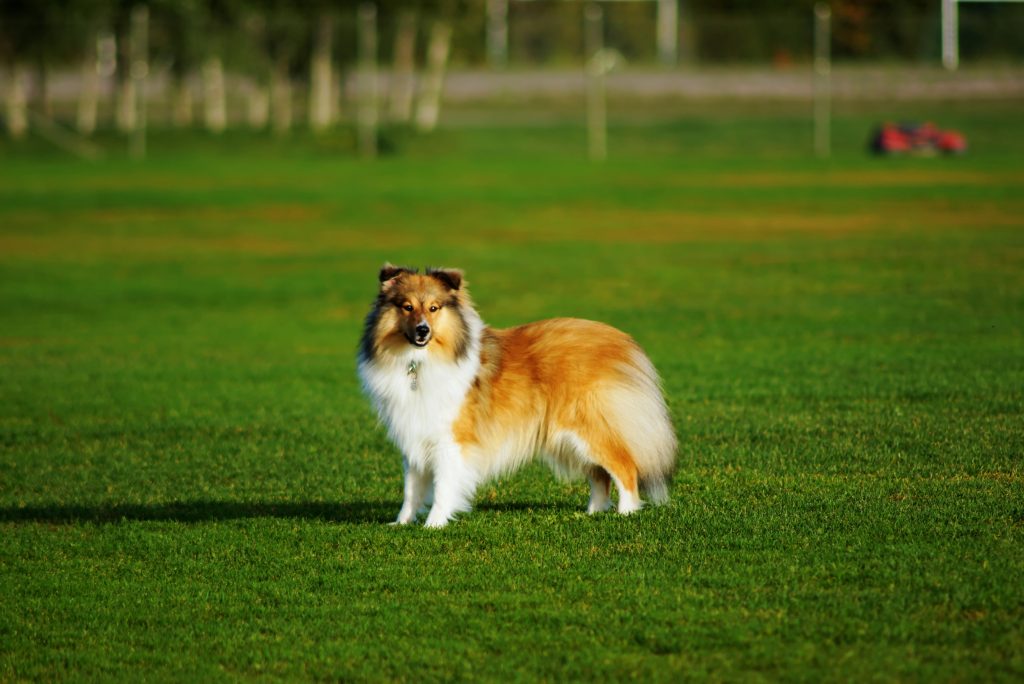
(450, 277)
(389, 272)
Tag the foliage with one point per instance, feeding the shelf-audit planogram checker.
(184, 31)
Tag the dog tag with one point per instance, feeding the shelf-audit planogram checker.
(413, 375)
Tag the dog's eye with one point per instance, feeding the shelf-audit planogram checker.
(434, 308)
(407, 307)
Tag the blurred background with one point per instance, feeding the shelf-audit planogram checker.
(76, 68)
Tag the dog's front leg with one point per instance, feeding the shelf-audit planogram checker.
(417, 489)
(455, 482)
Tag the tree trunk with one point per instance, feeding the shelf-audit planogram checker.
(126, 114)
(88, 95)
(17, 102)
(43, 95)
(321, 113)
(214, 96)
(403, 81)
(281, 99)
(258, 111)
(428, 110)
(367, 50)
(183, 110)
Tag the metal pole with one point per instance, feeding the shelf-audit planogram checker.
(139, 72)
(822, 80)
(497, 33)
(950, 35)
(597, 124)
(668, 31)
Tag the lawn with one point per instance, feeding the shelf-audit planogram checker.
(193, 488)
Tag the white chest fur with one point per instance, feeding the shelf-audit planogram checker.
(419, 397)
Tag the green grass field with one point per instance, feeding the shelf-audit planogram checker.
(193, 488)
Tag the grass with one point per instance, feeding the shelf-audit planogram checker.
(192, 487)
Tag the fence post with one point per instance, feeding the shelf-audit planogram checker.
(668, 32)
(497, 33)
(597, 124)
(139, 73)
(950, 35)
(822, 80)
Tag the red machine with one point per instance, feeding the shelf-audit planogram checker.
(917, 138)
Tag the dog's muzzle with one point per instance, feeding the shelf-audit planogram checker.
(422, 335)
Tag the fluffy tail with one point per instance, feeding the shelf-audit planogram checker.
(656, 489)
(640, 416)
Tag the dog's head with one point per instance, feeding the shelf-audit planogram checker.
(420, 310)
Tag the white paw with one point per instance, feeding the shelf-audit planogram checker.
(435, 522)
(403, 519)
(629, 505)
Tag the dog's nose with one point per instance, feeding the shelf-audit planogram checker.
(422, 329)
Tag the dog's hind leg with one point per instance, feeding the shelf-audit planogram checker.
(609, 461)
(616, 460)
(600, 489)
(625, 478)
(417, 491)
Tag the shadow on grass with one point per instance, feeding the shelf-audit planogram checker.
(529, 507)
(358, 512)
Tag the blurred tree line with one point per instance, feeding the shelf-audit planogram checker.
(906, 30)
(269, 42)
(717, 31)
(249, 34)
(266, 45)
(183, 32)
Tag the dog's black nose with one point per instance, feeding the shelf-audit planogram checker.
(422, 330)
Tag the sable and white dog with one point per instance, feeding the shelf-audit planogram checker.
(465, 402)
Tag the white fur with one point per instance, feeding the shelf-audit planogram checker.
(420, 420)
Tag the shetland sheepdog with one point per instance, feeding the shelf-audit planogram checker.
(465, 402)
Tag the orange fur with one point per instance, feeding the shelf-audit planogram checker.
(540, 377)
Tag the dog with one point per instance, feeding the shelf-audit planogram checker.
(465, 402)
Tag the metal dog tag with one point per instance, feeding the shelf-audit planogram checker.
(413, 375)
